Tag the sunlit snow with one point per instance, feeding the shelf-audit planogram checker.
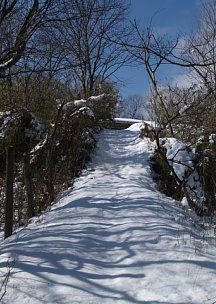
(113, 238)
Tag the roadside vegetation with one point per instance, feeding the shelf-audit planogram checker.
(185, 132)
(57, 62)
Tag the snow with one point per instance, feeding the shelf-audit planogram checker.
(179, 156)
(181, 159)
(150, 123)
(6, 63)
(184, 202)
(135, 127)
(136, 124)
(212, 138)
(6, 113)
(97, 98)
(80, 103)
(127, 120)
(113, 238)
(36, 130)
(38, 147)
(8, 120)
(183, 110)
(69, 105)
(87, 111)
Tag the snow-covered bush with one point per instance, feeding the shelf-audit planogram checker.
(175, 165)
(56, 153)
(67, 147)
(162, 174)
(184, 116)
(20, 131)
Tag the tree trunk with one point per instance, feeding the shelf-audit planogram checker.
(50, 182)
(50, 166)
(10, 154)
(28, 183)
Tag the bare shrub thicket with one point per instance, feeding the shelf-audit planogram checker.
(187, 114)
(47, 156)
(53, 53)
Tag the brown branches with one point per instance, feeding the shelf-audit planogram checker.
(24, 30)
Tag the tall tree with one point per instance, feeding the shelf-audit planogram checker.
(88, 31)
(201, 47)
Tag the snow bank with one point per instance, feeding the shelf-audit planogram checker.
(138, 126)
(127, 120)
(181, 158)
(135, 127)
(97, 98)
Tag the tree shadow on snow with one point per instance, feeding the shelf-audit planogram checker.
(93, 243)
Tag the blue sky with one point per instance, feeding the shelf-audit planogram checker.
(171, 17)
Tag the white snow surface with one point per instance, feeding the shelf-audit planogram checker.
(129, 120)
(97, 98)
(83, 102)
(212, 138)
(113, 238)
(136, 127)
(136, 122)
(80, 102)
(178, 156)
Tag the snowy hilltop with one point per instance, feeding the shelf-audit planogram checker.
(113, 238)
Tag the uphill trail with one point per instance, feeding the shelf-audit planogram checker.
(113, 238)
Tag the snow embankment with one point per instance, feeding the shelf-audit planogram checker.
(112, 239)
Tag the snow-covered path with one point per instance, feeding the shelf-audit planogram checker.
(112, 239)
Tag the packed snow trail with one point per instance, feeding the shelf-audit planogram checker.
(112, 239)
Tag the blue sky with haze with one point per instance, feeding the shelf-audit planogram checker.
(170, 17)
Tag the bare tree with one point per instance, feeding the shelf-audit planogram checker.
(132, 107)
(153, 51)
(18, 22)
(153, 60)
(201, 47)
(86, 33)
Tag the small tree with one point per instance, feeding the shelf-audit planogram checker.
(132, 107)
(201, 47)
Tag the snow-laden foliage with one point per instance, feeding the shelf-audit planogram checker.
(82, 106)
(181, 158)
(212, 138)
(57, 152)
(21, 121)
(97, 98)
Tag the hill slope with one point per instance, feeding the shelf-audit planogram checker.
(112, 239)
